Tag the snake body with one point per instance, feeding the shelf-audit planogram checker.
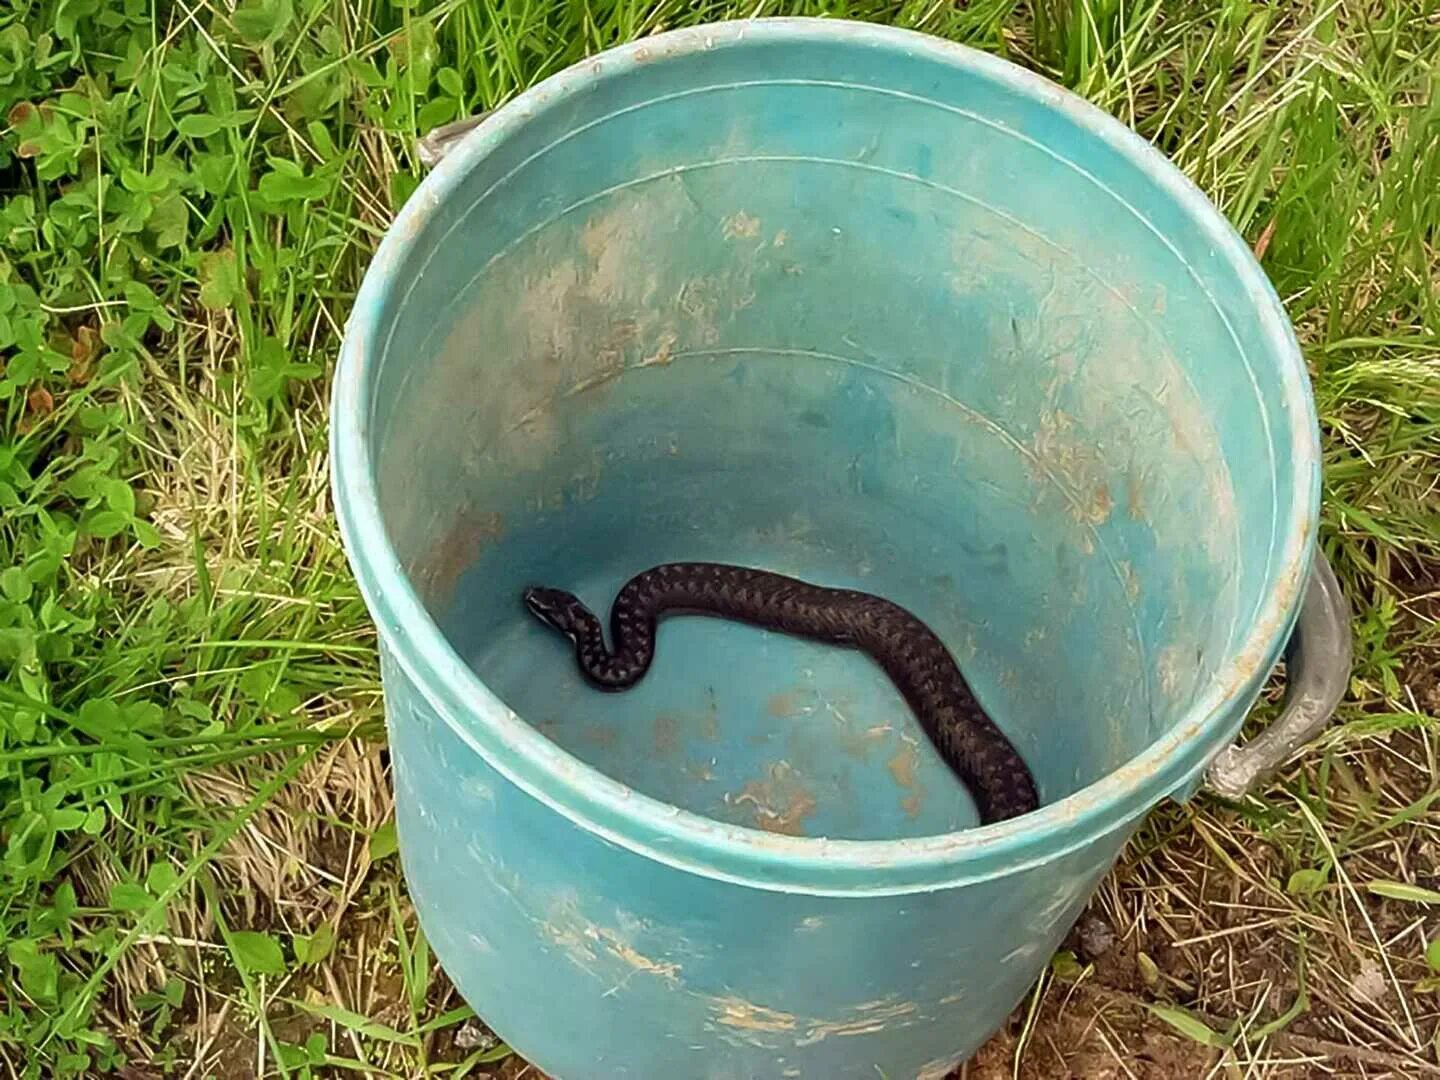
(915, 659)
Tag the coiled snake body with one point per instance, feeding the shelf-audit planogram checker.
(909, 651)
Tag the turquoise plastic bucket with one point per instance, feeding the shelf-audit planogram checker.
(856, 305)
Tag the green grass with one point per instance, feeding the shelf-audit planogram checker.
(188, 196)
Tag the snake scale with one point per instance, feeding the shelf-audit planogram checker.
(915, 659)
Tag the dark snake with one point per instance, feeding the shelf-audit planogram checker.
(909, 652)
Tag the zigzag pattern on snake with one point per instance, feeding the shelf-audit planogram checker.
(916, 660)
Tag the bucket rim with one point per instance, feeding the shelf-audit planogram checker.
(413, 641)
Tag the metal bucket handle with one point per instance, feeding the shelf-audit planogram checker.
(1317, 657)
(1317, 672)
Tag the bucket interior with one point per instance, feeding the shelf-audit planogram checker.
(875, 320)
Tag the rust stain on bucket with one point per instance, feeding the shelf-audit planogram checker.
(902, 766)
(787, 705)
(667, 735)
(868, 1018)
(736, 1012)
(741, 225)
(459, 546)
(781, 800)
(864, 1019)
(859, 745)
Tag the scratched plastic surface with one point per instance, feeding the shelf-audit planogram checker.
(878, 312)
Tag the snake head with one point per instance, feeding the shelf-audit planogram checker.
(554, 607)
